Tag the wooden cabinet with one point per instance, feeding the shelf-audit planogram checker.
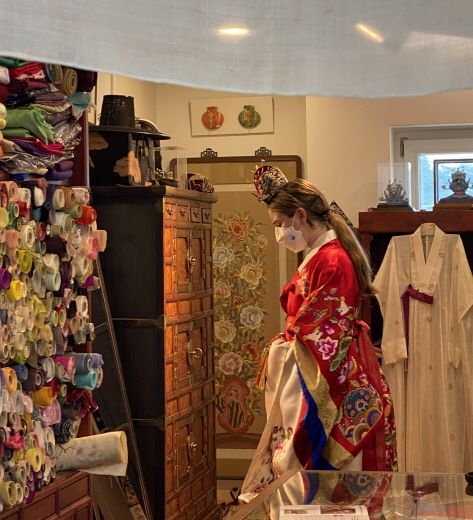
(158, 271)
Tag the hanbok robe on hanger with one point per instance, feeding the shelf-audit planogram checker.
(326, 399)
(430, 370)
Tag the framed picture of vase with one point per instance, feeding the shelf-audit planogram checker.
(249, 269)
(232, 116)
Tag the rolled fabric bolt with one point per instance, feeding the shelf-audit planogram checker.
(87, 381)
(89, 215)
(83, 362)
(41, 232)
(10, 379)
(8, 493)
(38, 196)
(62, 315)
(4, 218)
(24, 194)
(19, 474)
(105, 453)
(27, 403)
(69, 197)
(82, 195)
(97, 360)
(51, 262)
(43, 396)
(21, 372)
(82, 305)
(19, 493)
(90, 330)
(51, 414)
(13, 212)
(75, 212)
(67, 362)
(73, 325)
(5, 278)
(33, 456)
(13, 256)
(18, 404)
(101, 236)
(46, 333)
(25, 260)
(58, 199)
(12, 238)
(52, 281)
(11, 189)
(35, 380)
(49, 367)
(99, 372)
(68, 294)
(23, 210)
(27, 236)
(40, 214)
(15, 291)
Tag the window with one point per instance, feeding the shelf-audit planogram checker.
(422, 146)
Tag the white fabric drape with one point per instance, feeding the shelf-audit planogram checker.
(293, 47)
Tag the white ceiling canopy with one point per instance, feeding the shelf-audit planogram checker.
(355, 48)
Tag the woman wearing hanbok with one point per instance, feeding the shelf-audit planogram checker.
(328, 405)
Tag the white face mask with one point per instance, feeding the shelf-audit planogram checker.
(291, 238)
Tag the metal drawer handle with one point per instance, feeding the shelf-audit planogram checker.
(196, 353)
(170, 209)
(183, 211)
(191, 260)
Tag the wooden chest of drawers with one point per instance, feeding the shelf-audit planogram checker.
(158, 273)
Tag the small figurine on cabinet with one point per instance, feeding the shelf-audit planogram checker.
(393, 187)
(394, 197)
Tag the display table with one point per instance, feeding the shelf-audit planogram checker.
(387, 496)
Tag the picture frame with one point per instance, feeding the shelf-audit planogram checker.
(232, 116)
(453, 181)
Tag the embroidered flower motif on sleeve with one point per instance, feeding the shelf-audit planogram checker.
(328, 347)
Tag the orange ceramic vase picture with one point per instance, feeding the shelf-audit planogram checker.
(212, 118)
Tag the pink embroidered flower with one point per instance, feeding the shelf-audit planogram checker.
(344, 324)
(328, 329)
(230, 363)
(327, 347)
(342, 375)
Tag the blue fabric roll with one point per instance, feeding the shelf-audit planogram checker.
(87, 381)
(21, 372)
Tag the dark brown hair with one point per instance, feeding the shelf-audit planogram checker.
(303, 194)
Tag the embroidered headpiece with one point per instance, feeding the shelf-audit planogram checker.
(268, 180)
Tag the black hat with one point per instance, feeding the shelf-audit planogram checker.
(118, 115)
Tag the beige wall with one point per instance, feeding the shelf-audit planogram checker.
(340, 140)
(346, 138)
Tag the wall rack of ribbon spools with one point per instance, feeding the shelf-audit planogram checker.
(48, 242)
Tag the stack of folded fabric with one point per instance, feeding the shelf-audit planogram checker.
(39, 112)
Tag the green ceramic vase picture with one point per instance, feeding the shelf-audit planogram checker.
(248, 117)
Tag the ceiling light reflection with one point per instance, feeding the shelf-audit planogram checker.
(233, 31)
(369, 32)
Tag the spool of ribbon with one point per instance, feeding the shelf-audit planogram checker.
(97, 360)
(66, 430)
(52, 281)
(82, 195)
(35, 380)
(23, 209)
(11, 189)
(89, 215)
(38, 196)
(68, 365)
(5, 278)
(15, 291)
(101, 236)
(58, 199)
(49, 367)
(51, 414)
(82, 305)
(83, 362)
(34, 457)
(25, 260)
(8, 493)
(27, 403)
(4, 217)
(40, 214)
(12, 238)
(69, 81)
(21, 372)
(86, 381)
(43, 396)
(13, 212)
(11, 380)
(27, 236)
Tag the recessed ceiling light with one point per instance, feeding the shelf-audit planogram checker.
(369, 32)
(233, 30)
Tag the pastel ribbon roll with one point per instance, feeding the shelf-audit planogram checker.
(13, 256)
(68, 363)
(82, 195)
(27, 404)
(5, 278)
(25, 260)
(51, 262)
(15, 291)
(99, 372)
(34, 457)
(82, 305)
(51, 414)
(81, 265)
(24, 194)
(61, 219)
(101, 236)
(4, 217)
(23, 209)
(35, 380)
(49, 367)
(12, 238)
(102, 454)
(10, 379)
(19, 474)
(69, 197)
(21, 372)
(89, 215)
(87, 381)
(73, 324)
(38, 196)
(13, 211)
(19, 487)
(75, 212)
(58, 200)
(11, 189)
(83, 362)
(8, 493)
(41, 228)
(43, 397)
(52, 281)
(27, 236)
(97, 360)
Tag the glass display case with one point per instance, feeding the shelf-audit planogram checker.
(394, 186)
(386, 495)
